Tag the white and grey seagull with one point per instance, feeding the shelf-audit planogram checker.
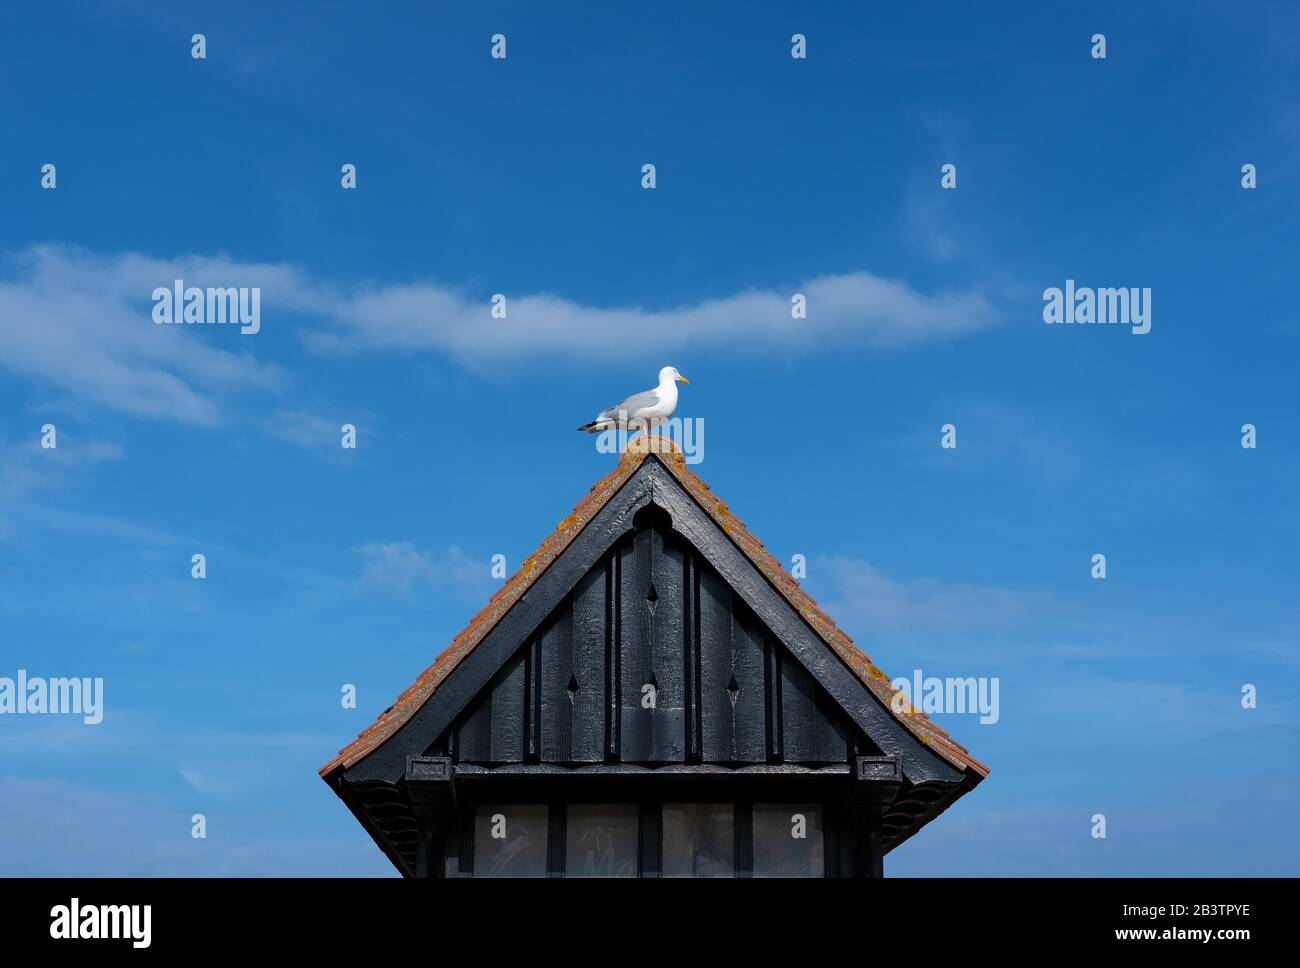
(641, 411)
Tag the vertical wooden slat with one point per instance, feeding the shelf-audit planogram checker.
(635, 670)
(715, 652)
(534, 696)
(475, 733)
(668, 629)
(586, 635)
(556, 712)
(697, 654)
(508, 718)
(834, 731)
(798, 713)
(691, 655)
(775, 725)
(815, 728)
(748, 710)
(613, 655)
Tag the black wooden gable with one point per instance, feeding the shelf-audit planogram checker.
(653, 659)
(649, 644)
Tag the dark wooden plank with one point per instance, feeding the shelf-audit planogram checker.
(556, 670)
(587, 664)
(736, 697)
(814, 727)
(669, 648)
(613, 648)
(533, 747)
(636, 670)
(799, 714)
(715, 668)
(691, 670)
(508, 711)
(772, 670)
(474, 737)
(836, 735)
(749, 708)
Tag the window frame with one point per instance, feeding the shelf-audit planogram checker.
(471, 830)
(825, 838)
(635, 807)
(836, 829)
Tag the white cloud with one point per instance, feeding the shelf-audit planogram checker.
(865, 597)
(81, 322)
(309, 431)
(854, 310)
(28, 467)
(221, 784)
(398, 567)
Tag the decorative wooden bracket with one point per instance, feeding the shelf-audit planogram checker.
(877, 780)
(875, 774)
(430, 788)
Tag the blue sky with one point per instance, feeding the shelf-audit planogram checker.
(477, 176)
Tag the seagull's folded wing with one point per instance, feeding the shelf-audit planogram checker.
(632, 405)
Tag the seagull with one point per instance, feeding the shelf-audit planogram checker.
(641, 411)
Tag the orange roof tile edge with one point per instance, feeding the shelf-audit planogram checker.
(392, 719)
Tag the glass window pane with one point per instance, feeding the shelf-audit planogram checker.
(510, 841)
(601, 840)
(699, 840)
(788, 840)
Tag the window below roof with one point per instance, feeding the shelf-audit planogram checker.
(511, 841)
(699, 840)
(789, 840)
(602, 840)
(685, 839)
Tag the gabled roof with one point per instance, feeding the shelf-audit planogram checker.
(666, 453)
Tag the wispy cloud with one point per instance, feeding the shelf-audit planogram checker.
(26, 467)
(81, 323)
(853, 310)
(398, 567)
(862, 595)
(310, 431)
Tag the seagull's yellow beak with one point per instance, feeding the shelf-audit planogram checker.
(682, 378)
